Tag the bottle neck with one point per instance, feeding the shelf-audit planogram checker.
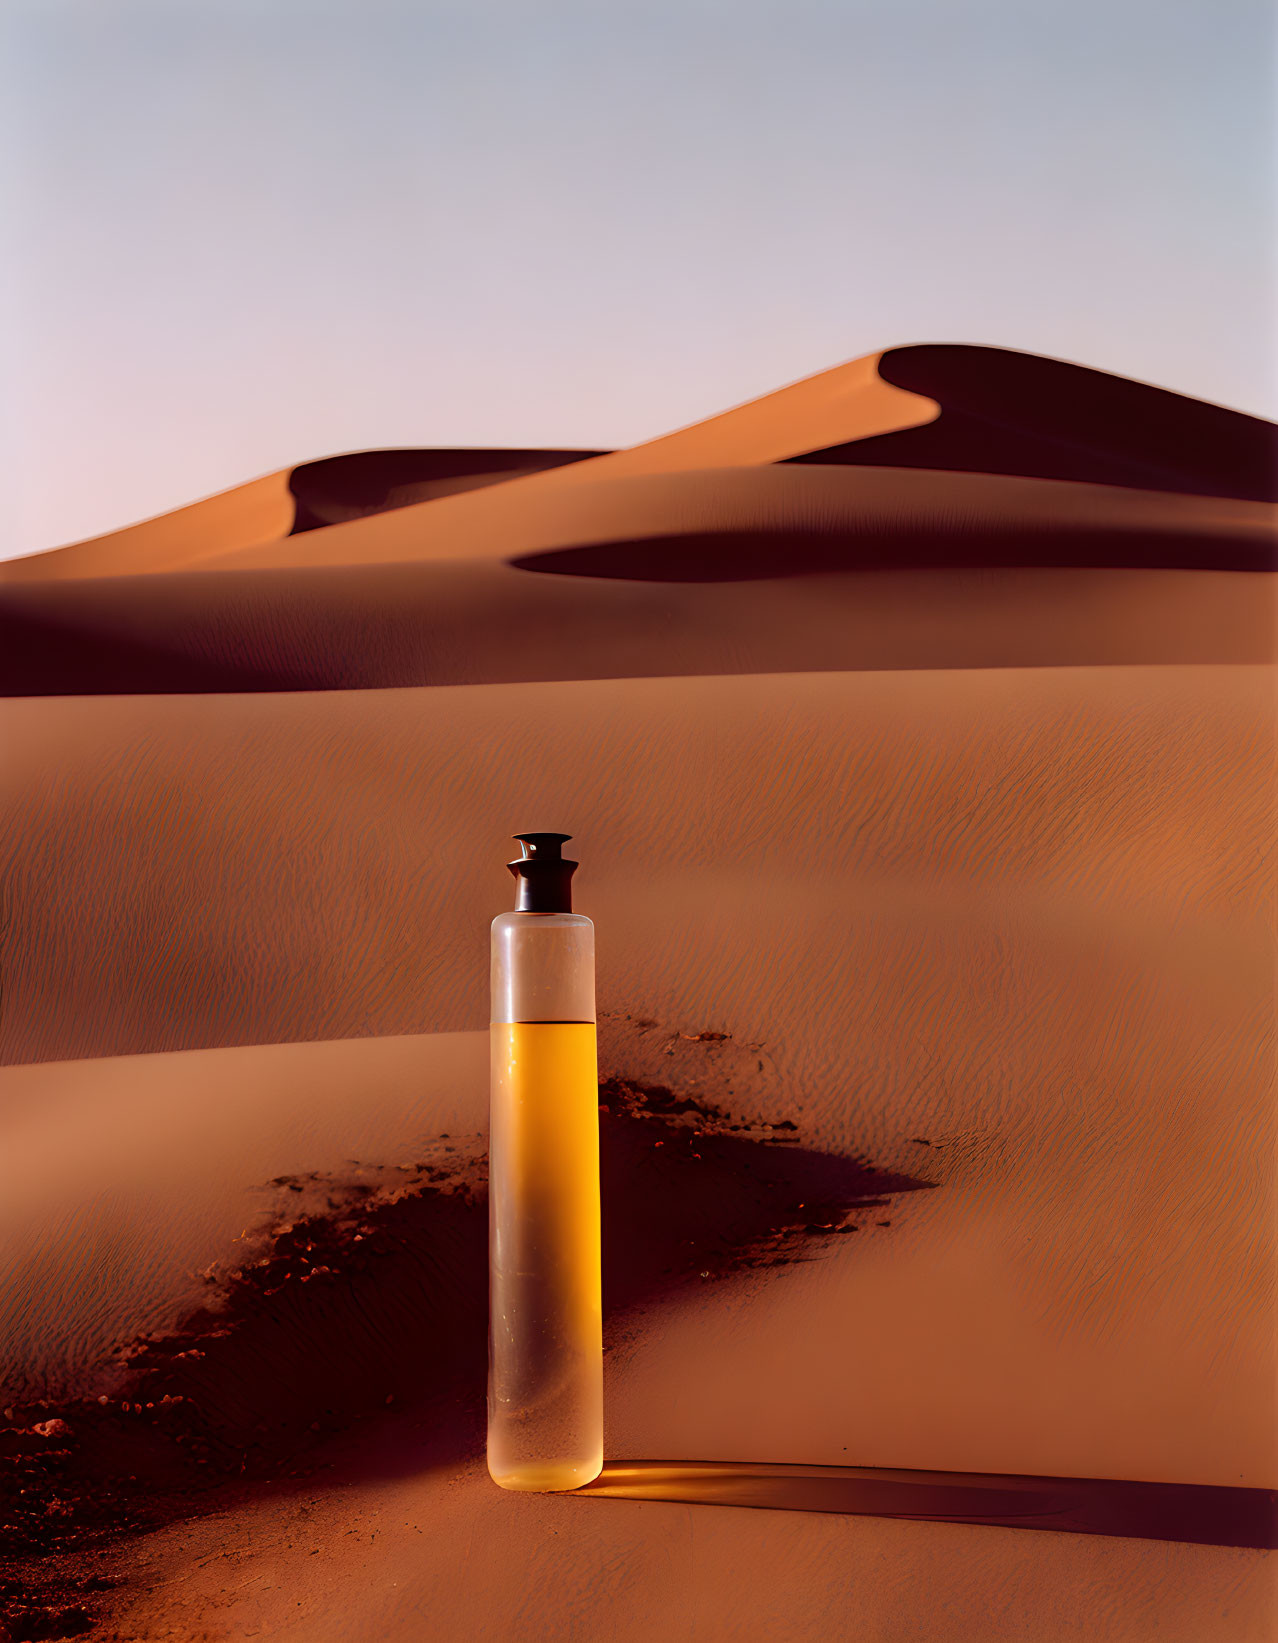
(543, 887)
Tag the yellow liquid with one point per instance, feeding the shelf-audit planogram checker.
(545, 1354)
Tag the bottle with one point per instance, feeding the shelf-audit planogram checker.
(545, 1343)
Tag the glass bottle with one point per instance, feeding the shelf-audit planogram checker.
(545, 1367)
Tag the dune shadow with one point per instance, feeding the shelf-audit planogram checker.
(1005, 412)
(44, 655)
(355, 486)
(752, 556)
(634, 608)
(1199, 1513)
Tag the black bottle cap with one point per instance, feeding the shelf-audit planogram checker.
(543, 876)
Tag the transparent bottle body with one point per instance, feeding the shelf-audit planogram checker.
(545, 1362)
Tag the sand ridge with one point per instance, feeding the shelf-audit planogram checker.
(938, 407)
(843, 403)
(259, 511)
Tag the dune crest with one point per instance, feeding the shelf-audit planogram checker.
(259, 511)
(980, 440)
(850, 401)
(1006, 412)
(955, 409)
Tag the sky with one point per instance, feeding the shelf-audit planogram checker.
(241, 234)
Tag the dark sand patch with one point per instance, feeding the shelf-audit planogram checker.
(363, 1297)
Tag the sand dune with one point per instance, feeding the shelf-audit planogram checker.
(507, 574)
(748, 570)
(992, 411)
(915, 729)
(675, 488)
(1012, 413)
(294, 500)
(870, 516)
(847, 402)
(260, 511)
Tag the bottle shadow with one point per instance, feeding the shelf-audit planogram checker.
(1205, 1514)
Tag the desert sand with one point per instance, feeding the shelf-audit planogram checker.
(924, 807)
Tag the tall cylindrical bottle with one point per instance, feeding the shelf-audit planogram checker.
(545, 1353)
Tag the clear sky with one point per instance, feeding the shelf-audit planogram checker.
(240, 234)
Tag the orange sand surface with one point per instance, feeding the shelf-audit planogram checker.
(1078, 1295)
(1012, 912)
(448, 1555)
(288, 866)
(934, 906)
